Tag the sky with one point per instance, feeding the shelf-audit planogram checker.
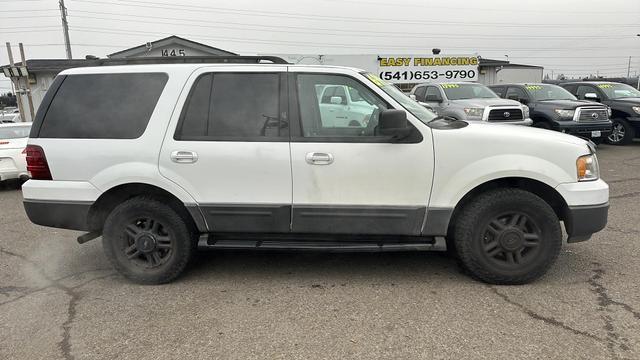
(572, 37)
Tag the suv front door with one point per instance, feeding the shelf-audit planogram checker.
(351, 180)
(230, 148)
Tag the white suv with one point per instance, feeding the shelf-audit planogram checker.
(160, 159)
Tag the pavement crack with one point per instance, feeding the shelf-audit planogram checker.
(604, 302)
(65, 343)
(623, 231)
(546, 319)
(623, 180)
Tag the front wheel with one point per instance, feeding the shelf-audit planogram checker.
(622, 133)
(507, 236)
(147, 241)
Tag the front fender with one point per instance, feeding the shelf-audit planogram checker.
(451, 185)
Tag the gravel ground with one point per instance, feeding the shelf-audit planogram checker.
(59, 299)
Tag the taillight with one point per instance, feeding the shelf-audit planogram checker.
(37, 163)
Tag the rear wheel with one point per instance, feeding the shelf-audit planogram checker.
(622, 133)
(147, 241)
(507, 236)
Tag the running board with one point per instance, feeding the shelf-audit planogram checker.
(213, 242)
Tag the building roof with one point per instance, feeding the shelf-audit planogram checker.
(505, 64)
(170, 40)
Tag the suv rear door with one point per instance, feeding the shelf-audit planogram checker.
(350, 180)
(228, 146)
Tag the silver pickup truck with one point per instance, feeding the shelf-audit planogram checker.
(471, 102)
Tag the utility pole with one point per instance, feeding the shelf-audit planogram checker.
(17, 83)
(24, 64)
(629, 68)
(65, 28)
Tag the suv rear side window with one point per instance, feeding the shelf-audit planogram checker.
(233, 106)
(103, 106)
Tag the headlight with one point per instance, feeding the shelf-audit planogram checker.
(565, 113)
(587, 167)
(636, 109)
(474, 112)
(525, 112)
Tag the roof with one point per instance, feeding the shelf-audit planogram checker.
(173, 39)
(57, 65)
(505, 64)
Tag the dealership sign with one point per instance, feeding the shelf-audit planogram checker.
(405, 69)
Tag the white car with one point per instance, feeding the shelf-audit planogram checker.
(13, 141)
(9, 115)
(342, 106)
(230, 155)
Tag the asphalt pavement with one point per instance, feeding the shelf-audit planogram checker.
(59, 299)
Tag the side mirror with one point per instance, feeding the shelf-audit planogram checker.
(413, 97)
(591, 96)
(336, 100)
(433, 98)
(394, 123)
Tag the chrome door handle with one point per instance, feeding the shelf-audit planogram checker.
(316, 158)
(184, 157)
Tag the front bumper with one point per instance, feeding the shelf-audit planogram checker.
(584, 130)
(581, 217)
(582, 221)
(524, 122)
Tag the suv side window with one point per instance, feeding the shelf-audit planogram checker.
(233, 106)
(516, 92)
(102, 106)
(584, 89)
(323, 119)
(420, 93)
(432, 90)
(499, 90)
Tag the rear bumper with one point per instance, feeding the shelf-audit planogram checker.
(582, 221)
(58, 214)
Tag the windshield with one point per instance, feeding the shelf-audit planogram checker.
(409, 104)
(618, 91)
(14, 132)
(467, 91)
(549, 92)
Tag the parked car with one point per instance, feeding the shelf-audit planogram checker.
(554, 108)
(9, 115)
(342, 106)
(623, 100)
(13, 141)
(470, 101)
(242, 160)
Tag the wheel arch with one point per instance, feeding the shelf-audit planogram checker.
(547, 193)
(116, 195)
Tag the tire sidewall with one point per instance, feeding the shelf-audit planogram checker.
(113, 239)
(629, 132)
(469, 238)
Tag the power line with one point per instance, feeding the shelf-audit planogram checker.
(334, 18)
(352, 33)
(400, 4)
(379, 47)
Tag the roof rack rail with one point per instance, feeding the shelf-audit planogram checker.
(234, 59)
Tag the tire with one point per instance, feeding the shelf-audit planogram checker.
(493, 250)
(542, 125)
(622, 133)
(147, 241)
